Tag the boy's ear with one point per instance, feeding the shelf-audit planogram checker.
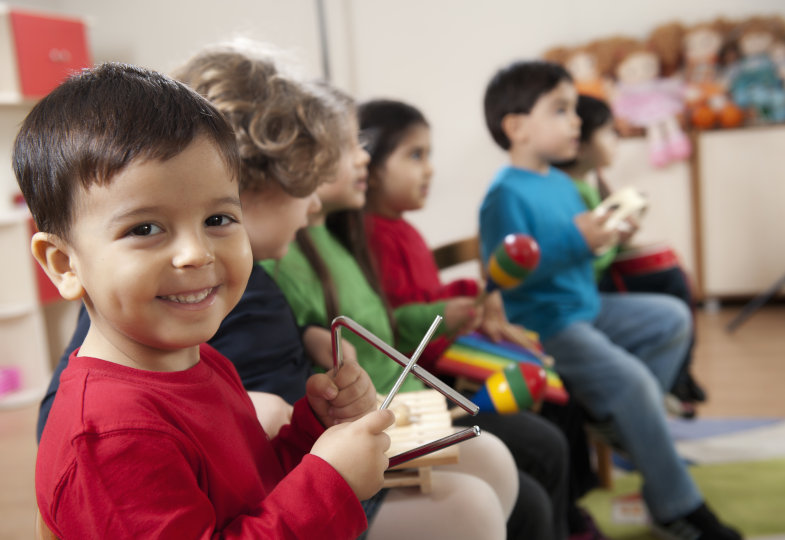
(513, 126)
(52, 254)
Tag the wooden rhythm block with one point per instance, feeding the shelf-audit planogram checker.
(421, 417)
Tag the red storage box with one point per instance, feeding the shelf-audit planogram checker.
(44, 48)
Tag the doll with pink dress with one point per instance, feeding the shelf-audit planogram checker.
(643, 98)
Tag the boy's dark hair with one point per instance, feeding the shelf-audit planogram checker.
(515, 89)
(99, 121)
(594, 113)
(383, 124)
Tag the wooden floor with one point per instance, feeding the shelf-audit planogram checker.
(743, 373)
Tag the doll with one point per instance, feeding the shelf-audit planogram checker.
(582, 64)
(644, 98)
(753, 80)
(707, 99)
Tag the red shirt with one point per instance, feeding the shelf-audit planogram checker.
(128, 453)
(408, 272)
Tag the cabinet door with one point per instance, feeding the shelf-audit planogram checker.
(48, 49)
(742, 183)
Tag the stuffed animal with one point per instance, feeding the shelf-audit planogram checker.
(707, 99)
(643, 97)
(753, 80)
(582, 65)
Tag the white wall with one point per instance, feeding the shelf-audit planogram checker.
(440, 55)
(437, 54)
(160, 34)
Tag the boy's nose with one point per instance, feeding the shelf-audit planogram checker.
(363, 157)
(194, 251)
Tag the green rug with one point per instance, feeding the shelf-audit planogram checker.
(750, 496)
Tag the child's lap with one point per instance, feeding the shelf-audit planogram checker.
(598, 359)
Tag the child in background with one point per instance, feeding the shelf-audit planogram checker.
(329, 273)
(598, 141)
(279, 172)
(132, 179)
(398, 139)
(617, 352)
(399, 174)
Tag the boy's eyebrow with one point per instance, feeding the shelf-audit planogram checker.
(146, 210)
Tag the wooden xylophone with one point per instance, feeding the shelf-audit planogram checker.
(420, 417)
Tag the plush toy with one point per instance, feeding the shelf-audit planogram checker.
(582, 64)
(707, 100)
(642, 97)
(753, 80)
(777, 54)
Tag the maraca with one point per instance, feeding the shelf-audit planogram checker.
(512, 261)
(517, 387)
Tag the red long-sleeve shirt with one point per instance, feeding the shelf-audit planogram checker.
(128, 453)
(408, 272)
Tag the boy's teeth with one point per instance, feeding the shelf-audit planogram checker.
(193, 298)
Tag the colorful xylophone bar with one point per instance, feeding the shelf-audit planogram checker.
(475, 357)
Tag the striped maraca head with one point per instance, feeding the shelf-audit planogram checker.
(515, 258)
(515, 388)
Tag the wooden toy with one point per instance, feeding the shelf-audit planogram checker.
(518, 387)
(475, 357)
(512, 261)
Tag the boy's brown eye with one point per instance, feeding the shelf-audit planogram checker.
(218, 220)
(142, 230)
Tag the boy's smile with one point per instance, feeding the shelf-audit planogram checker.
(163, 257)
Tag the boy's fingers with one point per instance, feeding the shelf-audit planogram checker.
(322, 385)
(378, 421)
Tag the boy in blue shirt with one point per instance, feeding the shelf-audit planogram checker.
(618, 353)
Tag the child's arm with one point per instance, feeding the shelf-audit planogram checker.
(503, 213)
(151, 484)
(409, 274)
(592, 227)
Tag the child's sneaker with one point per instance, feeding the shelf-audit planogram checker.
(700, 524)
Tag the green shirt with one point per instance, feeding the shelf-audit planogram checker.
(356, 300)
(591, 197)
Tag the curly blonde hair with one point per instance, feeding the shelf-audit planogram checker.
(288, 132)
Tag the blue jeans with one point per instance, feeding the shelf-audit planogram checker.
(618, 367)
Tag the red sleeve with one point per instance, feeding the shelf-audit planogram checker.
(295, 439)
(394, 271)
(461, 287)
(155, 493)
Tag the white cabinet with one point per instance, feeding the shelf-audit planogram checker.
(741, 175)
(22, 328)
(723, 211)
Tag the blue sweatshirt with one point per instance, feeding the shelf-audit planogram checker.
(562, 289)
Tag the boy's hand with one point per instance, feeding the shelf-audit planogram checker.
(629, 227)
(356, 451)
(494, 320)
(592, 228)
(462, 315)
(343, 397)
(319, 347)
